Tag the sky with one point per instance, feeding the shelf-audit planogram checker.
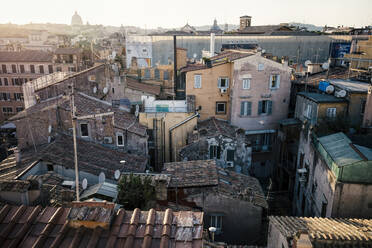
(175, 13)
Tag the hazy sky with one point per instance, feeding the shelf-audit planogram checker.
(175, 13)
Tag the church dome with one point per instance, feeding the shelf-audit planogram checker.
(76, 19)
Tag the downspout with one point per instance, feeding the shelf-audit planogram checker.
(176, 126)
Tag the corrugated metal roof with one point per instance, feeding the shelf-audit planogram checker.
(106, 189)
(350, 85)
(338, 146)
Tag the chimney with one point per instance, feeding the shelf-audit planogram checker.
(212, 44)
(302, 240)
(17, 155)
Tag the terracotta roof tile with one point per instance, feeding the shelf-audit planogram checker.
(148, 88)
(67, 50)
(41, 232)
(26, 56)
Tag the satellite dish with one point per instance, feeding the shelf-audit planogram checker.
(105, 90)
(307, 63)
(325, 66)
(341, 93)
(85, 183)
(117, 174)
(101, 177)
(49, 139)
(95, 90)
(330, 89)
(195, 55)
(49, 129)
(137, 110)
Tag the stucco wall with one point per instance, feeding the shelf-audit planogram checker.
(259, 90)
(209, 93)
(275, 239)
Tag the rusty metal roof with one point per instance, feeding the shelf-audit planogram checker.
(96, 224)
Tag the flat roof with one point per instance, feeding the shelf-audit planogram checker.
(321, 98)
(350, 85)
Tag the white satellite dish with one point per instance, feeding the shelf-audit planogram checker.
(341, 93)
(49, 139)
(195, 55)
(95, 90)
(307, 63)
(85, 183)
(325, 66)
(105, 90)
(101, 177)
(330, 89)
(117, 174)
(49, 129)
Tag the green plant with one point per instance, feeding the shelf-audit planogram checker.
(135, 192)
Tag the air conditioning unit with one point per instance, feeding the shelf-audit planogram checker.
(107, 140)
(230, 164)
(223, 90)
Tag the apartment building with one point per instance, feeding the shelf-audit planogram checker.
(17, 68)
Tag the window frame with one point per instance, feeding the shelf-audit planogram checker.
(248, 80)
(221, 112)
(81, 132)
(120, 134)
(245, 108)
(277, 81)
(200, 81)
(219, 82)
(260, 67)
(331, 112)
(214, 151)
(266, 105)
(214, 220)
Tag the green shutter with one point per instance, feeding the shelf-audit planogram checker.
(242, 108)
(259, 107)
(249, 108)
(269, 107)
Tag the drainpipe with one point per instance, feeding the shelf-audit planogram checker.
(175, 64)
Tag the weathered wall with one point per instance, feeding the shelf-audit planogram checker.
(367, 117)
(352, 201)
(354, 110)
(259, 90)
(275, 239)
(179, 137)
(209, 94)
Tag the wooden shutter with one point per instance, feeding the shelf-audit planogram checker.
(249, 108)
(259, 107)
(269, 107)
(219, 83)
(278, 81)
(242, 108)
(270, 80)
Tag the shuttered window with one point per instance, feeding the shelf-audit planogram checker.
(265, 107)
(246, 83)
(245, 108)
(197, 81)
(274, 82)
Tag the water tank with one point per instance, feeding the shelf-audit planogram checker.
(323, 85)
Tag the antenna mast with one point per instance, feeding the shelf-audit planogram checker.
(73, 117)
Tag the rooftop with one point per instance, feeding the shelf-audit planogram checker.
(321, 98)
(95, 224)
(348, 232)
(147, 88)
(15, 185)
(264, 29)
(205, 173)
(350, 85)
(26, 56)
(67, 50)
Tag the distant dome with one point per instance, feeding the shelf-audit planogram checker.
(215, 27)
(76, 19)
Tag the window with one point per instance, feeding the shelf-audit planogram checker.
(223, 83)
(32, 68)
(7, 110)
(119, 139)
(362, 106)
(113, 90)
(18, 96)
(41, 69)
(166, 75)
(197, 81)
(5, 96)
(59, 69)
(71, 69)
(260, 67)
(230, 155)
(220, 107)
(331, 112)
(324, 209)
(265, 107)
(157, 74)
(84, 131)
(307, 112)
(14, 69)
(1, 82)
(246, 83)
(3, 68)
(19, 109)
(216, 221)
(5, 81)
(245, 108)
(274, 82)
(22, 68)
(50, 69)
(214, 152)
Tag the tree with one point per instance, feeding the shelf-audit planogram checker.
(135, 192)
